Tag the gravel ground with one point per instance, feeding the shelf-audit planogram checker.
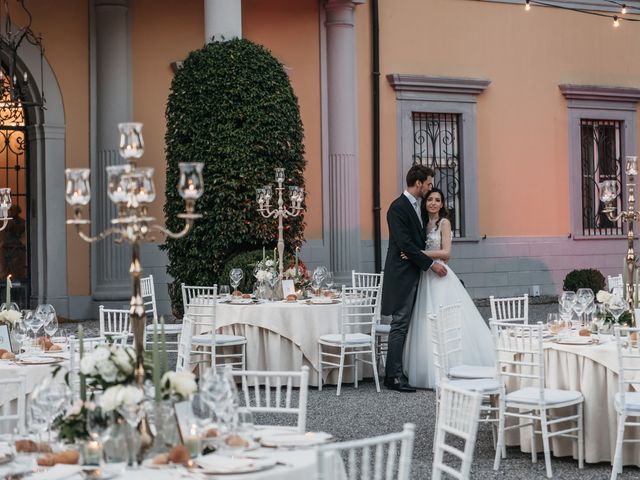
(363, 412)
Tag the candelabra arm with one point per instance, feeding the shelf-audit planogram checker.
(266, 213)
(5, 221)
(292, 213)
(611, 217)
(100, 236)
(174, 235)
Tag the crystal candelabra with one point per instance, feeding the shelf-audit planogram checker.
(264, 195)
(609, 191)
(132, 189)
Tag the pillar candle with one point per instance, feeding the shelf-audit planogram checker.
(8, 292)
(297, 248)
(83, 385)
(264, 254)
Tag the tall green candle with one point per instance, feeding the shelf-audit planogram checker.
(8, 292)
(83, 384)
(156, 363)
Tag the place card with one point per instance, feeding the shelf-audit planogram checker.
(184, 418)
(5, 338)
(288, 288)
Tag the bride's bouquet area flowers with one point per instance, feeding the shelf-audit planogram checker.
(299, 273)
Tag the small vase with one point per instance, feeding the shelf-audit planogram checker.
(164, 423)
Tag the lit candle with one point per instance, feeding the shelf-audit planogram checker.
(94, 453)
(192, 442)
(8, 292)
(264, 253)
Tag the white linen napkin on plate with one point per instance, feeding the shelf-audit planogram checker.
(221, 464)
(59, 472)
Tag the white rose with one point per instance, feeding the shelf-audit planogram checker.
(76, 408)
(110, 399)
(184, 384)
(603, 296)
(87, 365)
(101, 353)
(261, 276)
(107, 370)
(130, 395)
(269, 263)
(123, 361)
(11, 316)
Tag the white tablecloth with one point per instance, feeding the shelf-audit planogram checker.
(281, 335)
(592, 370)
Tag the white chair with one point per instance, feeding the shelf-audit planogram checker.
(74, 360)
(148, 293)
(447, 360)
(458, 418)
(356, 335)
(615, 284)
(360, 279)
(519, 351)
(510, 308)
(200, 306)
(13, 416)
(272, 392)
(627, 400)
(115, 323)
(369, 458)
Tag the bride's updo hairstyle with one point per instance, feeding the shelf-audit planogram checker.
(443, 212)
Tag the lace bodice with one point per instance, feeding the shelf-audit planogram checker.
(434, 239)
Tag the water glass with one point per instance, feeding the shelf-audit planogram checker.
(236, 276)
(224, 291)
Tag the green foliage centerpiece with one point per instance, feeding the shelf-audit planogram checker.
(231, 107)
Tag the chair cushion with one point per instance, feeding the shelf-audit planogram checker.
(530, 396)
(383, 329)
(631, 400)
(349, 339)
(205, 339)
(169, 328)
(472, 371)
(480, 385)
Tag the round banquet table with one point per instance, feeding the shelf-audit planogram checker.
(282, 336)
(592, 370)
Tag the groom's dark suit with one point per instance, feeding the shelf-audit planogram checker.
(401, 277)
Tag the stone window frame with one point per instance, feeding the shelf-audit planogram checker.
(598, 103)
(421, 93)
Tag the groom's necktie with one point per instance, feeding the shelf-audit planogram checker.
(416, 207)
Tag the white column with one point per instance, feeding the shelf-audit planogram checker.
(222, 20)
(344, 178)
(111, 77)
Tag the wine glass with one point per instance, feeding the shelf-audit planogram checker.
(20, 332)
(51, 325)
(224, 291)
(599, 318)
(50, 396)
(236, 276)
(584, 297)
(617, 306)
(328, 280)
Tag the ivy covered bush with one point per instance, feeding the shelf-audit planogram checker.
(585, 278)
(231, 106)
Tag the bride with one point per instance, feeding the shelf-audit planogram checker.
(434, 291)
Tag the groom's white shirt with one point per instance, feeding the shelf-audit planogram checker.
(416, 204)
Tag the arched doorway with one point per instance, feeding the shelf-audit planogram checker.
(14, 173)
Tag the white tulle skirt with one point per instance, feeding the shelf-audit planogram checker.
(434, 291)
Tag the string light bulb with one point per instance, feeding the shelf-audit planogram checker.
(527, 6)
(624, 9)
(616, 22)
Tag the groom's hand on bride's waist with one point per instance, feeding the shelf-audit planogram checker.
(439, 269)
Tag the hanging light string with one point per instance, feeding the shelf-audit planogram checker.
(615, 18)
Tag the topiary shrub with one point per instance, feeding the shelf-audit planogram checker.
(231, 106)
(586, 278)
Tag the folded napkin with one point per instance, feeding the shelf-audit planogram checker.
(291, 440)
(59, 472)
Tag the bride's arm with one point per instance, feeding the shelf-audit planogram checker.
(445, 252)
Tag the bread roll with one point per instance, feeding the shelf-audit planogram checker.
(55, 348)
(179, 454)
(291, 298)
(67, 457)
(46, 460)
(246, 295)
(161, 459)
(237, 293)
(236, 441)
(26, 446)
(584, 332)
(212, 433)
(8, 356)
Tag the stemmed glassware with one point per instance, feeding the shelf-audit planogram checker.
(584, 298)
(236, 276)
(219, 392)
(20, 332)
(318, 277)
(567, 302)
(599, 318)
(34, 322)
(617, 306)
(50, 399)
(328, 280)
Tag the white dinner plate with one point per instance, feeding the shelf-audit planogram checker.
(38, 360)
(213, 464)
(295, 439)
(575, 341)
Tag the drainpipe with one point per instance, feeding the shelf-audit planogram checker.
(375, 92)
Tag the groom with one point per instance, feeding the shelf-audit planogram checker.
(406, 235)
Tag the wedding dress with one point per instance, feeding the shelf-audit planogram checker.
(434, 291)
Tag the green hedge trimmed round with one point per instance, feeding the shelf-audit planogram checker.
(585, 278)
(232, 107)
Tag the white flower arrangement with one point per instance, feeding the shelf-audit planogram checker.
(180, 384)
(10, 317)
(109, 365)
(121, 395)
(605, 297)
